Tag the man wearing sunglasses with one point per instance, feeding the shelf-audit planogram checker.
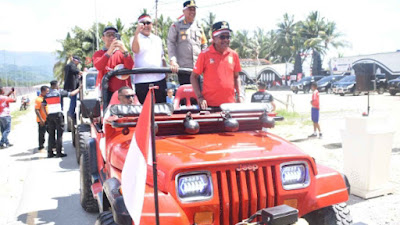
(113, 55)
(186, 40)
(126, 96)
(220, 68)
(148, 53)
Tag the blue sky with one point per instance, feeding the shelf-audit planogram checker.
(371, 26)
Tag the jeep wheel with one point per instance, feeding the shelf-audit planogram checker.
(105, 218)
(332, 215)
(341, 94)
(82, 134)
(306, 90)
(73, 134)
(69, 123)
(356, 93)
(88, 202)
(392, 93)
(295, 92)
(381, 90)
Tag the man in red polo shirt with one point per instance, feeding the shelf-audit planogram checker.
(113, 56)
(220, 67)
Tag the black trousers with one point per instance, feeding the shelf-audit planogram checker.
(55, 122)
(42, 132)
(184, 78)
(161, 93)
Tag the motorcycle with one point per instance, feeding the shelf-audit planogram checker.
(25, 101)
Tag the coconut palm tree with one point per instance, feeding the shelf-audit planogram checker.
(208, 22)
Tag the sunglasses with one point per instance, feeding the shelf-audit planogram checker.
(223, 37)
(129, 96)
(146, 23)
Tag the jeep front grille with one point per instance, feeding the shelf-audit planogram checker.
(243, 193)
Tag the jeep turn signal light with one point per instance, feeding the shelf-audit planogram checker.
(291, 202)
(203, 218)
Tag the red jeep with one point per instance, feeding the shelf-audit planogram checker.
(228, 171)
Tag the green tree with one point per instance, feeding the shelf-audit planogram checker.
(208, 22)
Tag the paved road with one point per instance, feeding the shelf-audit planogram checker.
(37, 190)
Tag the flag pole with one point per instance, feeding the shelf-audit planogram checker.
(153, 148)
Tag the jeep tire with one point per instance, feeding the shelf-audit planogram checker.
(81, 136)
(380, 90)
(392, 93)
(105, 218)
(332, 215)
(88, 202)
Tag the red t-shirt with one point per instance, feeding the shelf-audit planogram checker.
(218, 73)
(5, 105)
(315, 99)
(106, 64)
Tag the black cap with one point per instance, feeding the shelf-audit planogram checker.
(53, 82)
(188, 4)
(107, 28)
(219, 26)
(76, 58)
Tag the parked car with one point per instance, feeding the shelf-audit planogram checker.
(394, 86)
(304, 84)
(80, 125)
(217, 166)
(347, 85)
(325, 84)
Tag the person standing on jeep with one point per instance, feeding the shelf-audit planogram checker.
(55, 117)
(71, 81)
(149, 52)
(186, 39)
(315, 110)
(5, 116)
(113, 56)
(41, 116)
(263, 96)
(220, 67)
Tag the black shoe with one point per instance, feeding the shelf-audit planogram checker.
(9, 145)
(312, 135)
(40, 147)
(60, 155)
(50, 155)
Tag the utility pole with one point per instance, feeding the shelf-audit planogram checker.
(97, 25)
(156, 31)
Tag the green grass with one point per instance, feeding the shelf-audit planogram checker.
(15, 116)
(292, 118)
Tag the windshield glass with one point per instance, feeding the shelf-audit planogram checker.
(305, 79)
(325, 79)
(91, 81)
(348, 79)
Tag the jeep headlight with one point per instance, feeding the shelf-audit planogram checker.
(295, 175)
(194, 186)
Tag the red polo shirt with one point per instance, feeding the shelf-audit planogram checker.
(218, 75)
(105, 64)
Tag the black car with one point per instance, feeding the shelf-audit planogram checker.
(325, 84)
(304, 84)
(394, 86)
(347, 85)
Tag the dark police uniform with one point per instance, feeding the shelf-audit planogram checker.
(262, 96)
(185, 42)
(55, 119)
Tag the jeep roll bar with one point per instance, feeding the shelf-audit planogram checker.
(107, 77)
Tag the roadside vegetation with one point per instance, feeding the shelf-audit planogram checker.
(292, 41)
(17, 114)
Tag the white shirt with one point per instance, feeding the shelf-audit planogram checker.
(150, 55)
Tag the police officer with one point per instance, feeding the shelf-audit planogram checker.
(55, 118)
(186, 40)
(263, 96)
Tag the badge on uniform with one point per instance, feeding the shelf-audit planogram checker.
(230, 59)
(211, 61)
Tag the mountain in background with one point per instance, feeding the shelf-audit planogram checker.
(26, 68)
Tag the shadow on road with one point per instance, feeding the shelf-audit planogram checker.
(62, 215)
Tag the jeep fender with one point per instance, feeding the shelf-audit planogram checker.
(170, 211)
(331, 187)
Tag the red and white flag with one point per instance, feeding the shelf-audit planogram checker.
(134, 173)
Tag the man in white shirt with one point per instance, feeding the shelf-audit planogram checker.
(149, 52)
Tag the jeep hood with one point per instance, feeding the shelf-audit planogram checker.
(195, 152)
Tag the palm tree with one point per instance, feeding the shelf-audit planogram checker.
(241, 43)
(208, 22)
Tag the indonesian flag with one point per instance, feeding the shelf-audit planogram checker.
(134, 173)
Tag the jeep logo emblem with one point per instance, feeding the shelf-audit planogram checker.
(252, 167)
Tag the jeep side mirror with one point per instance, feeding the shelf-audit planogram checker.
(90, 108)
